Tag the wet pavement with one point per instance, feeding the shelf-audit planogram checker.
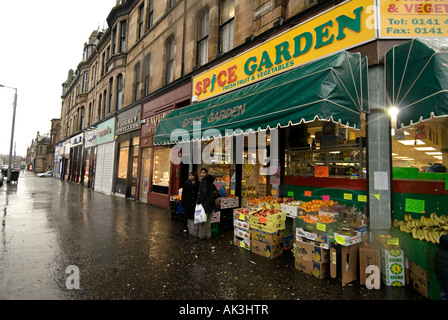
(126, 250)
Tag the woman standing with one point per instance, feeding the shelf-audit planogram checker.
(189, 197)
(206, 197)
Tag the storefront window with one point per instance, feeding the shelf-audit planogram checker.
(325, 149)
(422, 146)
(123, 160)
(161, 172)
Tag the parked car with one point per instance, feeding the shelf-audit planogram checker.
(45, 174)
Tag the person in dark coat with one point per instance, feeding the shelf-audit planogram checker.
(206, 197)
(441, 266)
(189, 196)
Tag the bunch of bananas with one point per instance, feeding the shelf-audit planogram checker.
(426, 228)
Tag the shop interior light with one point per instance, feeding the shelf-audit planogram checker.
(425, 149)
(394, 154)
(434, 153)
(438, 157)
(411, 142)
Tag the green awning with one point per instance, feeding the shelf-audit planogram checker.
(333, 88)
(417, 79)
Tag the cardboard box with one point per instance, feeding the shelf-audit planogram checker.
(216, 216)
(343, 263)
(418, 279)
(309, 251)
(241, 242)
(367, 257)
(267, 250)
(392, 267)
(266, 237)
(268, 226)
(317, 269)
(245, 234)
(320, 239)
(241, 224)
(229, 202)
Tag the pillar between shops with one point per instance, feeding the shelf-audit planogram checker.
(379, 167)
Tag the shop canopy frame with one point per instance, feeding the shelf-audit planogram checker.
(334, 89)
(416, 80)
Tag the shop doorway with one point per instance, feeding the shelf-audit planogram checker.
(126, 184)
(146, 169)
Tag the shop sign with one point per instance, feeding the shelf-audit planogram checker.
(342, 27)
(128, 121)
(151, 124)
(413, 18)
(90, 138)
(106, 131)
(77, 140)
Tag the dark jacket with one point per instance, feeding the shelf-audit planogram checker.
(205, 195)
(441, 261)
(190, 195)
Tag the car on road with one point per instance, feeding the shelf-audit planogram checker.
(45, 174)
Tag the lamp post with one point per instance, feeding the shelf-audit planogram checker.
(12, 131)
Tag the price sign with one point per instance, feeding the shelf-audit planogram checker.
(414, 205)
(321, 172)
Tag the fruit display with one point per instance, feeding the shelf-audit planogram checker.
(314, 219)
(314, 205)
(269, 199)
(426, 228)
(264, 212)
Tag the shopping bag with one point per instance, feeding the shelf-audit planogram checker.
(199, 214)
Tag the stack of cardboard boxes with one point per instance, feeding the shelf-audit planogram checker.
(267, 234)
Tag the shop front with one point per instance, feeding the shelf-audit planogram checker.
(159, 177)
(105, 157)
(89, 157)
(319, 133)
(417, 94)
(76, 154)
(290, 130)
(127, 131)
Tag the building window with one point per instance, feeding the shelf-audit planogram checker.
(82, 117)
(85, 82)
(99, 107)
(169, 60)
(103, 63)
(150, 14)
(114, 39)
(140, 22)
(202, 46)
(137, 81)
(119, 90)
(110, 93)
(146, 75)
(226, 24)
(122, 35)
(104, 102)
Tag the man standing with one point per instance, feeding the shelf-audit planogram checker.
(206, 197)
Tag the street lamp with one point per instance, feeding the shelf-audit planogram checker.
(12, 131)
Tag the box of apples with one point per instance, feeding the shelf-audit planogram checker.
(269, 220)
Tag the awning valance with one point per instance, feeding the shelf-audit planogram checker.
(416, 83)
(333, 88)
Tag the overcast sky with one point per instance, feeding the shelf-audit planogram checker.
(40, 42)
